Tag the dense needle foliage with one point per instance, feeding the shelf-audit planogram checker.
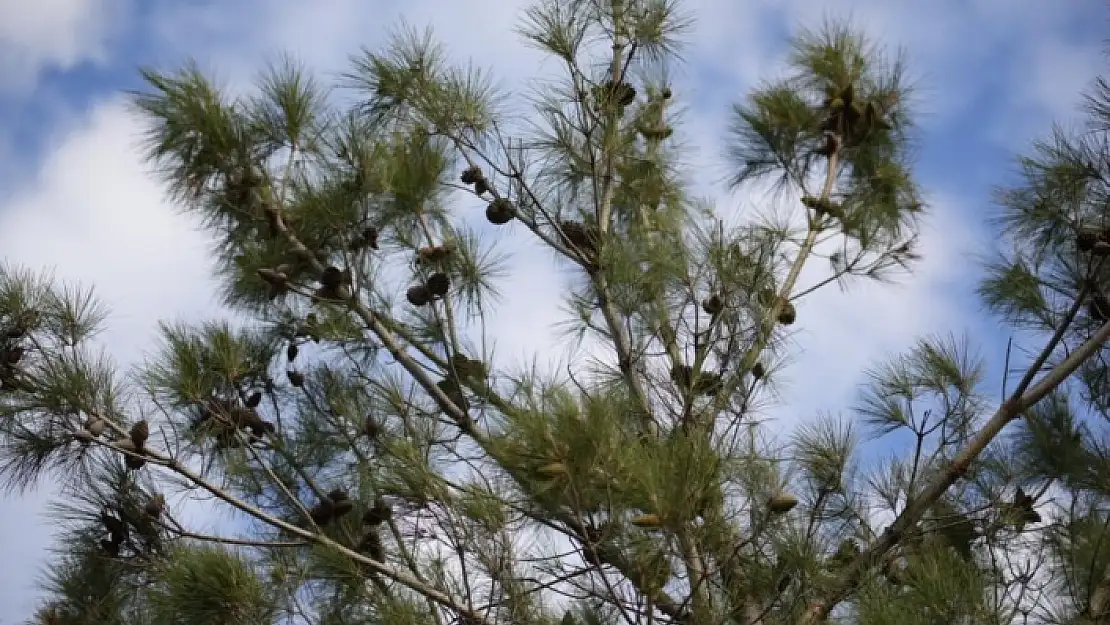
(379, 465)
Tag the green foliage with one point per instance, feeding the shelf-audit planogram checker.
(209, 586)
(379, 465)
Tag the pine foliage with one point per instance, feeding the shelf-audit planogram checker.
(381, 466)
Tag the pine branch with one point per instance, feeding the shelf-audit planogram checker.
(768, 322)
(767, 327)
(621, 341)
(227, 540)
(461, 418)
(1010, 410)
(221, 494)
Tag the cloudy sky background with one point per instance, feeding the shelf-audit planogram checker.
(74, 196)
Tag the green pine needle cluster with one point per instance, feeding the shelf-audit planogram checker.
(374, 462)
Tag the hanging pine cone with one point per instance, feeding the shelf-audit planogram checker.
(371, 545)
(782, 503)
(296, 378)
(342, 504)
(788, 314)
(153, 508)
(707, 383)
(139, 434)
(433, 254)
(438, 284)
(622, 94)
(583, 238)
(713, 305)
(419, 295)
(551, 470)
(334, 277)
(471, 175)
(655, 133)
(291, 352)
(454, 392)
(377, 514)
(113, 525)
(254, 399)
(274, 277)
(500, 211)
(367, 238)
(370, 428)
(322, 513)
(96, 426)
(334, 284)
(1025, 502)
(1086, 238)
(9, 378)
(468, 369)
(13, 354)
(758, 371)
(110, 547)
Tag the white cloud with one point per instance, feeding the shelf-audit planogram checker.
(95, 214)
(54, 34)
(98, 216)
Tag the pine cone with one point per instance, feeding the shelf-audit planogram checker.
(788, 314)
(581, 237)
(782, 503)
(323, 512)
(1086, 238)
(154, 506)
(139, 434)
(296, 378)
(377, 514)
(647, 521)
(371, 545)
(274, 277)
(371, 428)
(13, 354)
(419, 295)
(500, 212)
(713, 305)
(95, 426)
(471, 175)
(367, 238)
(438, 284)
(454, 392)
(554, 469)
(433, 254)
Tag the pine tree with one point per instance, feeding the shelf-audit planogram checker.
(1052, 468)
(382, 467)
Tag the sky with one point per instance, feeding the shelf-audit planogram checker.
(75, 197)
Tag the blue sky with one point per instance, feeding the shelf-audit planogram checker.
(994, 74)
